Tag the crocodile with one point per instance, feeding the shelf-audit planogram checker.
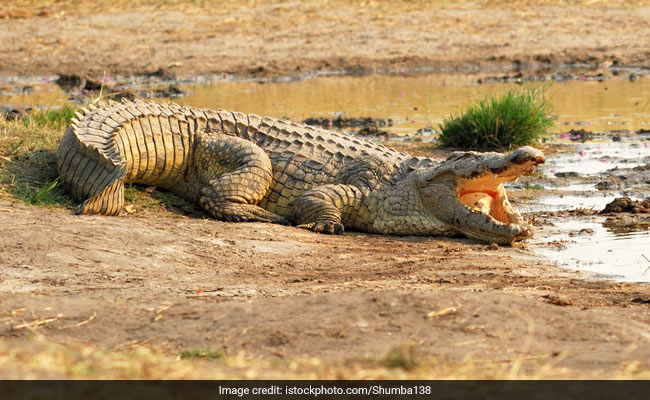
(242, 167)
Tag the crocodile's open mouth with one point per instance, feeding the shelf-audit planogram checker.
(487, 195)
(484, 193)
(476, 181)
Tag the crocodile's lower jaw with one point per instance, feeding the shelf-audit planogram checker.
(493, 204)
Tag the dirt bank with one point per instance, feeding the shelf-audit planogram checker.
(278, 293)
(281, 292)
(264, 38)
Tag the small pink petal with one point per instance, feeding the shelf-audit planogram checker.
(443, 83)
(401, 94)
(582, 153)
(603, 159)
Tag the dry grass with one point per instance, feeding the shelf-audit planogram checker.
(39, 358)
(34, 356)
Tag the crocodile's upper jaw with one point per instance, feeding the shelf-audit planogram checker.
(466, 192)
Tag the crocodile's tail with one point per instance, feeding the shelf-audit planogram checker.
(132, 141)
(90, 163)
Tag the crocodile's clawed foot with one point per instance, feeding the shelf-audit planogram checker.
(331, 228)
(280, 220)
(238, 212)
(253, 217)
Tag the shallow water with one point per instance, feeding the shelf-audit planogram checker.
(557, 202)
(412, 102)
(597, 157)
(616, 107)
(606, 252)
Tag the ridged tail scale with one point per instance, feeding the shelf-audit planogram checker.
(113, 143)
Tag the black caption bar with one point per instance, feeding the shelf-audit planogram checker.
(305, 390)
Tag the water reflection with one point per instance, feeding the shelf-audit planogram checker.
(413, 102)
(598, 157)
(626, 228)
(605, 250)
(556, 202)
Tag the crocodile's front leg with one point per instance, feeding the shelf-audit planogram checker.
(238, 175)
(327, 208)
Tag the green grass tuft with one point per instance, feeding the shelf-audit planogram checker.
(533, 186)
(173, 202)
(55, 118)
(130, 193)
(46, 194)
(518, 118)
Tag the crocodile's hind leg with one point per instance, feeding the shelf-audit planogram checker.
(238, 174)
(327, 208)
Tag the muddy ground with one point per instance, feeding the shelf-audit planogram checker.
(275, 292)
(281, 292)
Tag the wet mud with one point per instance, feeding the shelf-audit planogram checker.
(363, 126)
(627, 205)
(12, 113)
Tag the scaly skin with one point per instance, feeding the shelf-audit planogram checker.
(242, 167)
